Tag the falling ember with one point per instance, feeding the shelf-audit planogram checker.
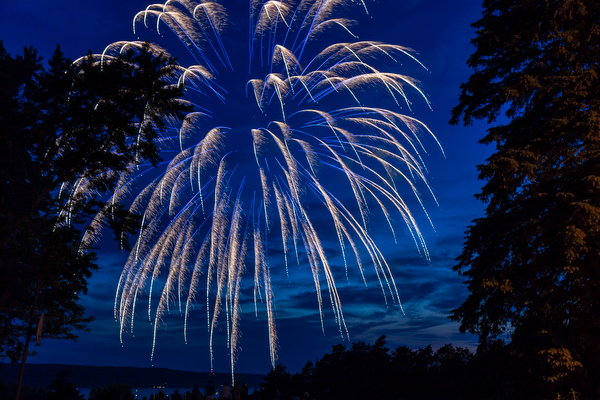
(296, 117)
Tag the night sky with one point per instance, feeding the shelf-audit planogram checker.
(440, 32)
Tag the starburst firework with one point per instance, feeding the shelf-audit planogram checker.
(289, 127)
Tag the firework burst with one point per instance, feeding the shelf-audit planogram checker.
(289, 128)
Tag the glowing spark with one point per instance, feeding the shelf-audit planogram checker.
(248, 167)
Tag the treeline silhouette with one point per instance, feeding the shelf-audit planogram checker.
(366, 371)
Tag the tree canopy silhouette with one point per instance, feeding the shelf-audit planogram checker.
(532, 263)
(371, 371)
(75, 124)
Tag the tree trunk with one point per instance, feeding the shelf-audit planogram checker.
(28, 337)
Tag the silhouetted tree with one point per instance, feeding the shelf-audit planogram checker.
(278, 384)
(63, 389)
(75, 125)
(371, 371)
(532, 263)
(452, 373)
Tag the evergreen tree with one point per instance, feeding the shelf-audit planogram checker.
(75, 125)
(533, 262)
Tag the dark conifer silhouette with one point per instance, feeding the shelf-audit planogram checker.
(531, 263)
(60, 128)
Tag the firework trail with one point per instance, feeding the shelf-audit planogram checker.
(289, 128)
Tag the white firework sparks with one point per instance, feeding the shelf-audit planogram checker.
(313, 128)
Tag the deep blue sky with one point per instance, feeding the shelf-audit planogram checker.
(440, 32)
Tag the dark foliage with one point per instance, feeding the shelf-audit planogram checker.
(532, 263)
(63, 389)
(371, 371)
(74, 124)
